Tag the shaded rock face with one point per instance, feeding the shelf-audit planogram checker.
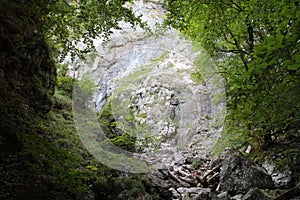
(27, 80)
(27, 75)
(254, 194)
(282, 178)
(239, 174)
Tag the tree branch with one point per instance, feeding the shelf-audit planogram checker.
(240, 51)
(66, 3)
(250, 40)
(239, 8)
(231, 51)
(227, 40)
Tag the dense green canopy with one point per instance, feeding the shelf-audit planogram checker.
(256, 45)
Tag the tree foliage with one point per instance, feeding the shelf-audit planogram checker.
(256, 46)
(72, 25)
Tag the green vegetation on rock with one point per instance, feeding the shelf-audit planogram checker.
(255, 45)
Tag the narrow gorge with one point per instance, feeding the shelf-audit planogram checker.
(150, 114)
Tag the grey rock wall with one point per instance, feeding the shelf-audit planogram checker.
(149, 74)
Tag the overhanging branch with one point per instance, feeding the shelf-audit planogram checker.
(231, 51)
(237, 45)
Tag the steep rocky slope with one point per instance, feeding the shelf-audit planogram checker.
(172, 89)
(152, 75)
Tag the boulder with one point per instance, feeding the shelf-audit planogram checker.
(175, 193)
(237, 197)
(254, 194)
(197, 193)
(282, 178)
(239, 174)
(223, 196)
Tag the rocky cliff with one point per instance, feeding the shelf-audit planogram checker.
(167, 82)
(150, 73)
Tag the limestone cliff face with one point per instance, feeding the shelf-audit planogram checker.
(27, 75)
(150, 75)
